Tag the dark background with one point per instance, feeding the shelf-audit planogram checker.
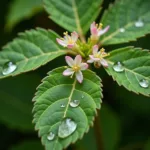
(125, 116)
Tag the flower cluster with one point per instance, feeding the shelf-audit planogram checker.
(90, 51)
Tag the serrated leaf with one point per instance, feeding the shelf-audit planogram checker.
(73, 15)
(22, 9)
(136, 68)
(56, 90)
(128, 20)
(31, 50)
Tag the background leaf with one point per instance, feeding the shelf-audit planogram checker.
(57, 90)
(20, 9)
(27, 145)
(31, 50)
(15, 103)
(136, 64)
(128, 20)
(73, 15)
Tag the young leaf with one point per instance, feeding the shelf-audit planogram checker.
(130, 67)
(128, 20)
(28, 52)
(20, 9)
(53, 106)
(73, 15)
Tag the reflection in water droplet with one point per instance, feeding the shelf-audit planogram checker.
(51, 136)
(62, 106)
(122, 30)
(74, 103)
(118, 67)
(144, 83)
(8, 68)
(139, 23)
(82, 96)
(66, 128)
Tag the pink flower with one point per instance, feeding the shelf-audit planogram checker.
(98, 57)
(68, 40)
(76, 67)
(97, 31)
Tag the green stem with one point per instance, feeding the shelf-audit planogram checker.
(98, 133)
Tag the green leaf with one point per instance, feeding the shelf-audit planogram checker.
(22, 9)
(28, 145)
(15, 113)
(111, 128)
(73, 15)
(125, 14)
(57, 90)
(31, 50)
(136, 68)
(15, 103)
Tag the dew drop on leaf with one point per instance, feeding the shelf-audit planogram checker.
(122, 30)
(74, 103)
(8, 68)
(139, 23)
(62, 106)
(144, 83)
(82, 96)
(51, 136)
(118, 67)
(66, 128)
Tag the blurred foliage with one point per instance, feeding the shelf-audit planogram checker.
(124, 115)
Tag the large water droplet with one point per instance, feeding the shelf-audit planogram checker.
(51, 136)
(74, 103)
(62, 105)
(144, 83)
(118, 67)
(66, 128)
(8, 68)
(139, 23)
(122, 30)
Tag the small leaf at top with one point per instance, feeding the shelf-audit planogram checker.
(128, 20)
(60, 123)
(130, 67)
(73, 15)
(28, 52)
(22, 9)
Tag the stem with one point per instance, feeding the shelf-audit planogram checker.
(98, 133)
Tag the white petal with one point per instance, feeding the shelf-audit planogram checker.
(90, 61)
(93, 29)
(78, 60)
(68, 72)
(69, 61)
(104, 62)
(61, 42)
(74, 36)
(70, 46)
(95, 49)
(79, 76)
(84, 66)
(101, 32)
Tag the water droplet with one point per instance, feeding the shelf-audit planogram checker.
(74, 103)
(82, 96)
(62, 106)
(66, 128)
(51, 136)
(139, 23)
(118, 67)
(8, 68)
(144, 83)
(122, 30)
